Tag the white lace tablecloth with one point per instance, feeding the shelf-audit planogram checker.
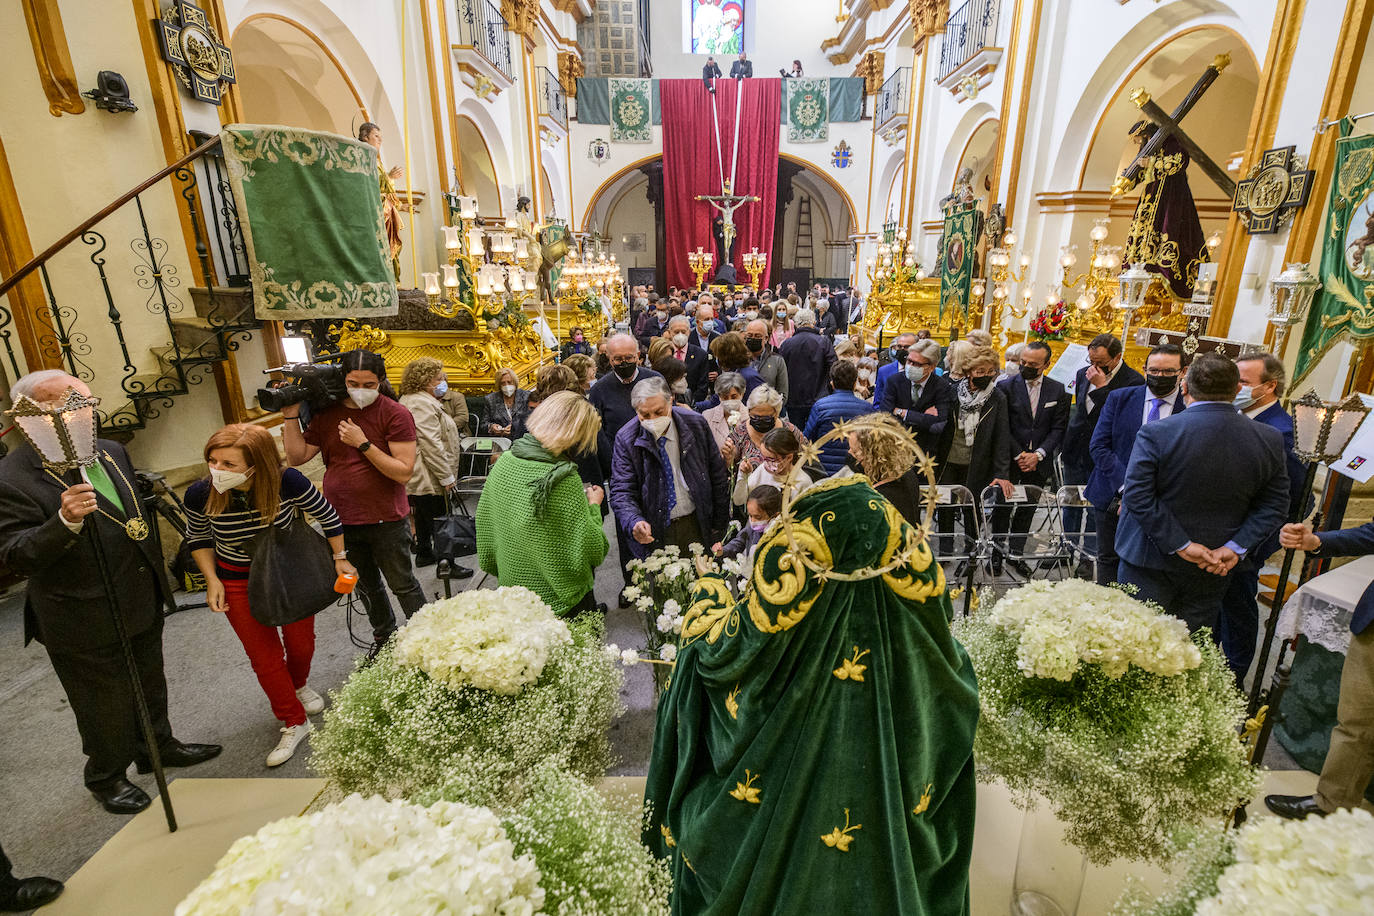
(1322, 608)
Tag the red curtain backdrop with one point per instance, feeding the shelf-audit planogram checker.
(691, 167)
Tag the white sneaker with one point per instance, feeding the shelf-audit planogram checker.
(286, 747)
(312, 701)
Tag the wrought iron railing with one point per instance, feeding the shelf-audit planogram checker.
(970, 29)
(116, 319)
(552, 100)
(891, 102)
(481, 26)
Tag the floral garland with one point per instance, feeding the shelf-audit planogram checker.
(1101, 708)
(1050, 322)
(497, 640)
(373, 855)
(1270, 867)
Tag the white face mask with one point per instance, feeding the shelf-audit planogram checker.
(224, 481)
(656, 426)
(679, 340)
(508, 390)
(680, 387)
(729, 407)
(363, 396)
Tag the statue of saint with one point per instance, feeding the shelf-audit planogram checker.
(392, 205)
(724, 224)
(1166, 234)
(814, 748)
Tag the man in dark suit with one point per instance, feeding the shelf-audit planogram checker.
(742, 68)
(809, 357)
(1184, 526)
(921, 401)
(48, 525)
(895, 365)
(694, 357)
(1038, 412)
(610, 395)
(1262, 381)
(1349, 764)
(706, 329)
(1123, 413)
(1106, 372)
(710, 72)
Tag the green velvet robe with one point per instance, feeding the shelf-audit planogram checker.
(814, 749)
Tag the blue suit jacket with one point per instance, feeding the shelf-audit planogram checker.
(1083, 422)
(1282, 420)
(884, 375)
(1348, 543)
(1112, 440)
(1209, 475)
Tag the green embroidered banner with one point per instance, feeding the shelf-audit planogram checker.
(630, 111)
(962, 231)
(1343, 307)
(808, 109)
(310, 208)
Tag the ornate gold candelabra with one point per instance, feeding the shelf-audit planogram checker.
(487, 272)
(1099, 284)
(754, 263)
(700, 262)
(586, 279)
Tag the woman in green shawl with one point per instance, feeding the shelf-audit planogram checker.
(537, 526)
(814, 749)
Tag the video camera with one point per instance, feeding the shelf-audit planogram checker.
(319, 385)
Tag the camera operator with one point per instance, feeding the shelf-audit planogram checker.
(368, 446)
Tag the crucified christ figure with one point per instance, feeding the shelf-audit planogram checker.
(727, 203)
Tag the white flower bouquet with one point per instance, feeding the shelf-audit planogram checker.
(662, 589)
(1105, 706)
(370, 855)
(563, 851)
(1270, 867)
(486, 689)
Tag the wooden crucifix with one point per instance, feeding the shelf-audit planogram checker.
(1169, 125)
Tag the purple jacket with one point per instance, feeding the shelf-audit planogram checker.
(639, 481)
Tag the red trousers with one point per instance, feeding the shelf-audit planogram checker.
(280, 656)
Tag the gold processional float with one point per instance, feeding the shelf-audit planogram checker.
(497, 285)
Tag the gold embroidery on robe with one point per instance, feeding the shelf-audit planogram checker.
(746, 791)
(850, 669)
(841, 838)
(924, 803)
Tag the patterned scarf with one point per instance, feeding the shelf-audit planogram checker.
(971, 402)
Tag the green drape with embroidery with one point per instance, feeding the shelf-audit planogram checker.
(814, 749)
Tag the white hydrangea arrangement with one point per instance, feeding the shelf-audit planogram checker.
(470, 706)
(490, 639)
(662, 589)
(1102, 705)
(370, 855)
(1270, 867)
(1063, 624)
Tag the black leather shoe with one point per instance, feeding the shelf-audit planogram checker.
(29, 893)
(1021, 568)
(425, 558)
(1294, 807)
(181, 755)
(119, 796)
(461, 572)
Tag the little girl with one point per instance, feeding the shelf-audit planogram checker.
(779, 448)
(764, 505)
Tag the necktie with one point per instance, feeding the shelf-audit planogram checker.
(104, 485)
(668, 470)
(1155, 404)
(681, 354)
(1034, 392)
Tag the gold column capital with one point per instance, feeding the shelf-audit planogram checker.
(52, 57)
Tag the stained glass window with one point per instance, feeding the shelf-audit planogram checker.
(717, 26)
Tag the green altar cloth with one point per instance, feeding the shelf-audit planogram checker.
(814, 748)
(310, 207)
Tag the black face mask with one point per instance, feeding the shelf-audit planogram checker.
(897, 353)
(755, 344)
(1160, 385)
(763, 424)
(625, 371)
(980, 381)
(1029, 374)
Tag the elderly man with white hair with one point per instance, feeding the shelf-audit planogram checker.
(48, 524)
(669, 485)
(808, 356)
(921, 400)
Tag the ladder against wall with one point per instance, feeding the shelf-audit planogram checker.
(805, 253)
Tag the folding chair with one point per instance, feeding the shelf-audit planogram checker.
(956, 507)
(1080, 540)
(1035, 512)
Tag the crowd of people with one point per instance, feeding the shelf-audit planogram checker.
(689, 425)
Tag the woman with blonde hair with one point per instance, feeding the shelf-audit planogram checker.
(505, 409)
(437, 443)
(584, 367)
(247, 489)
(877, 443)
(955, 357)
(537, 525)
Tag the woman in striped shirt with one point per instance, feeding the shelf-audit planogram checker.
(246, 486)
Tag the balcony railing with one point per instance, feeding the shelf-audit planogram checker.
(892, 100)
(481, 26)
(970, 29)
(552, 101)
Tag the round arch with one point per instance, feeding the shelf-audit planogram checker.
(618, 176)
(840, 192)
(477, 167)
(307, 84)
